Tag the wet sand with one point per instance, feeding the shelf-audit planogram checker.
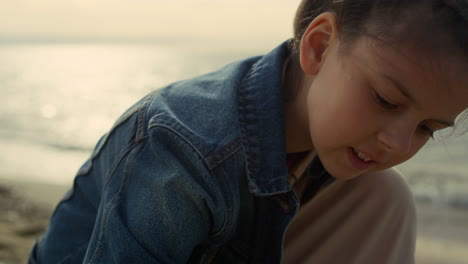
(26, 208)
(23, 217)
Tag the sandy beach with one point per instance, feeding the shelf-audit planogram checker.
(25, 209)
(27, 206)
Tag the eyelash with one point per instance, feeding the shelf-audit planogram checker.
(384, 103)
(425, 129)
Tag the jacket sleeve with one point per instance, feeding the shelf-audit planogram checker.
(165, 203)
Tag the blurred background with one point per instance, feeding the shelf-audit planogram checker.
(69, 68)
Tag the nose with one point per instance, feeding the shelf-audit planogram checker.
(397, 139)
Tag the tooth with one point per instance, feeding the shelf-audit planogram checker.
(363, 156)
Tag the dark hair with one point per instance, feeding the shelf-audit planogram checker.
(381, 18)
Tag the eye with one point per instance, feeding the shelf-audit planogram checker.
(384, 102)
(426, 130)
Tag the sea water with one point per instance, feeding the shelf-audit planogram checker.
(58, 99)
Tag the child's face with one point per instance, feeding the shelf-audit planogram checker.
(375, 107)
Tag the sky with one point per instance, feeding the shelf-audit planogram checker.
(146, 20)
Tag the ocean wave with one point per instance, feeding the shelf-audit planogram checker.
(35, 138)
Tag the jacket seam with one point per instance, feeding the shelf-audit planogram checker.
(224, 153)
(217, 235)
(114, 168)
(67, 257)
(184, 138)
(140, 112)
(112, 203)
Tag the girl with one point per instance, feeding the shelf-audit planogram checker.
(214, 169)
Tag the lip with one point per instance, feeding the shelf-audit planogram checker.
(357, 162)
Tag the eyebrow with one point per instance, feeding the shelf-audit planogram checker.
(410, 97)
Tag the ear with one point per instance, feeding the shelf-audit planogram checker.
(321, 34)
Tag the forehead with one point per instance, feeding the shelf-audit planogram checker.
(437, 81)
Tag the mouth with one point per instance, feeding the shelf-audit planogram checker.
(360, 160)
(362, 156)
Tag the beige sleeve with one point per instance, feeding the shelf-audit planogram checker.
(370, 219)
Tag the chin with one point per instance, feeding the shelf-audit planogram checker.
(344, 176)
(341, 173)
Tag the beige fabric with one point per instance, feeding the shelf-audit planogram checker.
(370, 219)
(300, 167)
(296, 173)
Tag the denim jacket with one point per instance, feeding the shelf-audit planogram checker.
(163, 186)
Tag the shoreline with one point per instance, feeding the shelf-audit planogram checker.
(442, 231)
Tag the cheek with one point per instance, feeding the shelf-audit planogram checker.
(418, 143)
(336, 120)
(341, 110)
(351, 114)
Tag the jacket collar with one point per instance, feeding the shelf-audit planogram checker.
(262, 124)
